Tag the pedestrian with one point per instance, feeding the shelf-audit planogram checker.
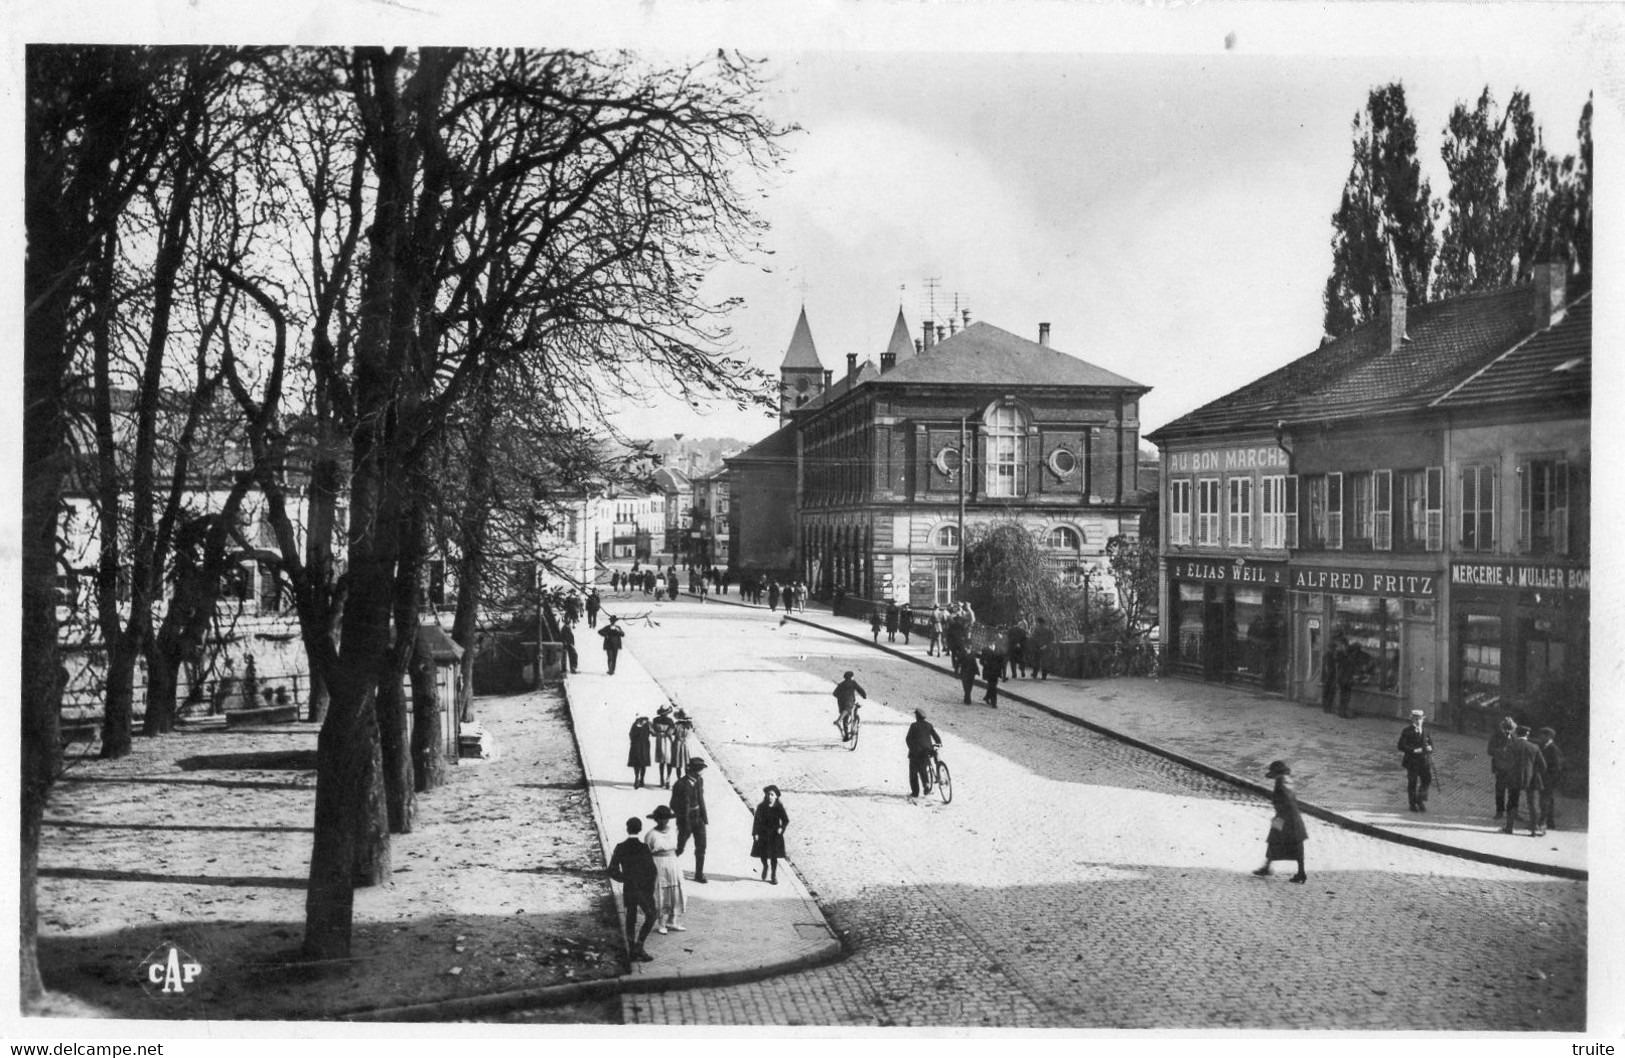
(1351, 669)
(1526, 774)
(891, 622)
(801, 595)
(1017, 658)
(847, 693)
(767, 833)
(670, 902)
(671, 583)
(773, 596)
(572, 609)
(633, 865)
(703, 589)
(992, 664)
(875, 623)
(614, 580)
(567, 636)
(933, 629)
(593, 604)
(905, 622)
(1546, 741)
(660, 730)
(1328, 674)
(1287, 832)
(922, 741)
(637, 756)
(967, 673)
(1497, 750)
(688, 803)
(682, 727)
(1042, 643)
(613, 636)
(1416, 745)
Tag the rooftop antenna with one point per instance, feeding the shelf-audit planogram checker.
(931, 284)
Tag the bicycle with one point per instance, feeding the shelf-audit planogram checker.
(942, 778)
(849, 729)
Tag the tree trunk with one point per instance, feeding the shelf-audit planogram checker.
(318, 694)
(118, 716)
(429, 763)
(372, 849)
(465, 634)
(163, 682)
(396, 756)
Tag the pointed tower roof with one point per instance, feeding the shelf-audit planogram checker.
(802, 353)
(901, 345)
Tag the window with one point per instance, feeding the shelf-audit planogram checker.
(1064, 538)
(1273, 508)
(1006, 451)
(1314, 499)
(1291, 507)
(948, 536)
(1241, 512)
(270, 589)
(1179, 512)
(1357, 500)
(1382, 510)
(1334, 511)
(1543, 507)
(1479, 637)
(1063, 462)
(1421, 508)
(1475, 499)
(1207, 511)
(947, 579)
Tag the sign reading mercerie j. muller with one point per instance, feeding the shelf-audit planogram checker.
(1509, 575)
(1264, 457)
(1366, 582)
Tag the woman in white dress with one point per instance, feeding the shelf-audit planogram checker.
(680, 751)
(662, 842)
(662, 727)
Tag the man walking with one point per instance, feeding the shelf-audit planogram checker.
(1497, 751)
(688, 804)
(992, 668)
(567, 636)
(593, 603)
(922, 741)
(1526, 773)
(967, 673)
(1043, 644)
(1416, 745)
(1546, 741)
(613, 635)
(633, 865)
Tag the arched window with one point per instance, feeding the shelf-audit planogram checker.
(948, 536)
(1006, 451)
(1064, 538)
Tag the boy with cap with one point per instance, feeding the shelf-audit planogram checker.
(633, 865)
(1416, 745)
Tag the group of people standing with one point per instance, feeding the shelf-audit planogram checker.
(1526, 768)
(1345, 664)
(662, 742)
(792, 593)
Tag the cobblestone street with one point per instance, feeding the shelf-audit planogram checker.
(1077, 882)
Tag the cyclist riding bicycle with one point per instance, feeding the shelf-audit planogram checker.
(922, 740)
(847, 693)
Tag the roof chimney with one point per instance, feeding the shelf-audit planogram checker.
(887, 362)
(967, 317)
(928, 342)
(919, 347)
(851, 364)
(1043, 335)
(953, 326)
(940, 329)
(829, 376)
(1391, 318)
(1551, 292)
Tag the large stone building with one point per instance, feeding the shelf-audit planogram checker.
(874, 477)
(1418, 488)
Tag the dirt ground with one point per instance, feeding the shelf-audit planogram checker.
(202, 841)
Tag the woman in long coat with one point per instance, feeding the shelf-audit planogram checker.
(1287, 832)
(661, 729)
(637, 756)
(679, 743)
(767, 833)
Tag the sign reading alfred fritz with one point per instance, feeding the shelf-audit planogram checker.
(1233, 571)
(1514, 575)
(1393, 583)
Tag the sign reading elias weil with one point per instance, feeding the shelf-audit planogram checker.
(1264, 457)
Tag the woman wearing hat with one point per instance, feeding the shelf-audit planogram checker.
(661, 729)
(637, 756)
(1287, 832)
(682, 727)
(767, 833)
(662, 842)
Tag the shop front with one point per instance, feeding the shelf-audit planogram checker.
(1388, 619)
(1227, 620)
(1520, 645)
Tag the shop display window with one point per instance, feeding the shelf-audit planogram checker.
(1188, 625)
(1371, 624)
(1258, 637)
(1544, 653)
(1478, 638)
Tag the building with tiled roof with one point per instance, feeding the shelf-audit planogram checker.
(871, 483)
(1361, 527)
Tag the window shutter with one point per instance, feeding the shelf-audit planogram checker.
(1290, 487)
(1467, 505)
(1435, 509)
(1560, 508)
(1382, 482)
(1490, 483)
(1525, 485)
(1334, 510)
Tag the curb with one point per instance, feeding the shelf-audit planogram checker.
(1309, 808)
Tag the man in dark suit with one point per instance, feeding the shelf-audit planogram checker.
(967, 672)
(1417, 746)
(633, 865)
(688, 804)
(922, 741)
(1526, 775)
(613, 635)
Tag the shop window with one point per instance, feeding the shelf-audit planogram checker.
(1006, 452)
(1479, 641)
(1475, 499)
(1334, 511)
(1357, 518)
(1258, 636)
(1314, 502)
(1179, 512)
(1543, 507)
(1207, 511)
(1371, 625)
(1188, 625)
(1241, 512)
(1544, 654)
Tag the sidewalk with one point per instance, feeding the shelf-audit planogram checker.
(739, 927)
(1347, 771)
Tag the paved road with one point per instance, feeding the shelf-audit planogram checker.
(1078, 883)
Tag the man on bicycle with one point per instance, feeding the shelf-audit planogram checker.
(847, 693)
(922, 742)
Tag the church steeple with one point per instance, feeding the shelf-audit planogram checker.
(801, 375)
(901, 346)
